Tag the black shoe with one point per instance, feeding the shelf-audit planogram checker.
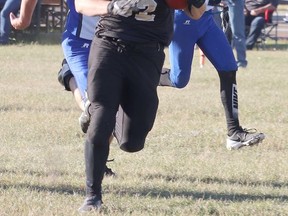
(91, 203)
(64, 75)
(109, 172)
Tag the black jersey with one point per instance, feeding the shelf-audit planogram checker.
(153, 23)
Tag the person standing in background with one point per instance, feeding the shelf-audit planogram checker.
(7, 6)
(255, 18)
(237, 24)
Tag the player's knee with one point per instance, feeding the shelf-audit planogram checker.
(132, 145)
(227, 77)
(131, 141)
(180, 83)
(227, 74)
(181, 78)
(64, 75)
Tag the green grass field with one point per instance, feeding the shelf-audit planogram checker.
(184, 169)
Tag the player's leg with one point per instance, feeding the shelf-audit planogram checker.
(237, 20)
(77, 51)
(217, 49)
(202, 58)
(104, 94)
(66, 78)
(139, 103)
(76, 93)
(181, 50)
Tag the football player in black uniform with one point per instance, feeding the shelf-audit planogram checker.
(125, 62)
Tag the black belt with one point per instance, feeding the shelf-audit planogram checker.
(131, 44)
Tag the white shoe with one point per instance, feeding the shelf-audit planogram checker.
(244, 137)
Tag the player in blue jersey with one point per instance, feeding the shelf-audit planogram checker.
(212, 41)
(76, 41)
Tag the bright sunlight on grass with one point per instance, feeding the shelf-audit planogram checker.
(184, 169)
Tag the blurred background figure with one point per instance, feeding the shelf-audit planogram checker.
(7, 6)
(255, 18)
(286, 17)
(229, 16)
(237, 25)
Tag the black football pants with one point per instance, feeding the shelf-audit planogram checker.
(126, 75)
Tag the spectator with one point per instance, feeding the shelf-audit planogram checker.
(7, 6)
(255, 18)
(237, 24)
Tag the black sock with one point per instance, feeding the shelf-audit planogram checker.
(95, 161)
(229, 98)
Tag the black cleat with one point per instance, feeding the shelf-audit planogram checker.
(91, 203)
(109, 172)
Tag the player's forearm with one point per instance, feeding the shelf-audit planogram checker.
(91, 7)
(26, 11)
(25, 16)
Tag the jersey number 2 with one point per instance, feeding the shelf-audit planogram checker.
(146, 15)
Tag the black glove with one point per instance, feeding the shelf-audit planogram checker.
(214, 2)
(123, 7)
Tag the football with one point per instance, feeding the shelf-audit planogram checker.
(176, 4)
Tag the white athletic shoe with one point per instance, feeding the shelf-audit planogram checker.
(244, 137)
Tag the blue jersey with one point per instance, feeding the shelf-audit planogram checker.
(80, 25)
(76, 40)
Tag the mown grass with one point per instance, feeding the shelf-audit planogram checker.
(184, 169)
